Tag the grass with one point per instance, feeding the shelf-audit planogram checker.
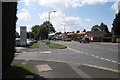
(18, 70)
(35, 45)
(25, 67)
(55, 46)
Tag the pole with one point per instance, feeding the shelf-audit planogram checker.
(49, 16)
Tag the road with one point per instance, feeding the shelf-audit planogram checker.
(98, 55)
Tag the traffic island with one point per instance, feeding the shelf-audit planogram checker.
(55, 46)
(35, 45)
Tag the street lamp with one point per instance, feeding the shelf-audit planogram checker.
(49, 18)
(63, 27)
(49, 15)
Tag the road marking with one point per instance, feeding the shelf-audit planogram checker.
(103, 68)
(107, 59)
(46, 52)
(77, 51)
(43, 68)
(113, 61)
(24, 52)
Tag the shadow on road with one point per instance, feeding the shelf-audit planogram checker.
(18, 73)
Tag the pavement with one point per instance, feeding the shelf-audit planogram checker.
(52, 69)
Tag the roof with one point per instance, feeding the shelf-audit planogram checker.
(81, 33)
(70, 33)
(96, 33)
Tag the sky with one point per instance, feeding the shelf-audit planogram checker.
(70, 15)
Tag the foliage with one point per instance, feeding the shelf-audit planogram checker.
(84, 30)
(31, 35)
(116, 25)
(77, 31)
(95, 28)
(42, 31)
(102, 27)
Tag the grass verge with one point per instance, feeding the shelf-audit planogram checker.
(55, 46)
(25, 67)
(35, 45)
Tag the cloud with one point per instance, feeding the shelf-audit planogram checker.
(116, 6)
(60, 19)
(60, 5)
(24, 15)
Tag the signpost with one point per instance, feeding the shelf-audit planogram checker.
(23, 36)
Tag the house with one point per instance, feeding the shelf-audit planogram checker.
(95, 36)
(76, 36)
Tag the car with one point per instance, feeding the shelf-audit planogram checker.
(33, 40)
(17, 41)
(29, 42)
(84, 40)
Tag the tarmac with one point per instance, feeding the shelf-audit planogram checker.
(50, 70)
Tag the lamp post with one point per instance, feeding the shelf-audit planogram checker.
(49, 15)
(49, 20)
(63, 27)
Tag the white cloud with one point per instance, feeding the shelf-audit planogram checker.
(62, 4)
(59, 19)
(24, 15)
(116, 6)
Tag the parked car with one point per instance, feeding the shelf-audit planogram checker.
(29, 42)
(17, 41)
(84, 40)
(33, 40)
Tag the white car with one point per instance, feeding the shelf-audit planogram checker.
(29, 42)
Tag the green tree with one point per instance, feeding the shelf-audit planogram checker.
(35, 30)
(116, 27)
(104, 27)
(45, 29)
(95, 28)
(84, 30)
(77, 31)
(31, 35)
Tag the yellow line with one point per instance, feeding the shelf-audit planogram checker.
(104, 68)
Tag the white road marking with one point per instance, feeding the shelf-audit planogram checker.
(107, 59)
(24, 52)
(77, 51)
(43, 68)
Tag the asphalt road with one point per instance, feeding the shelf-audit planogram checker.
(98, 55)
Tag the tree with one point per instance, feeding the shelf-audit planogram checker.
(103, 27)
(116, 27)
(77, 31)
(35, 30)
(45, 29)
(95, 28)
(84, 30)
